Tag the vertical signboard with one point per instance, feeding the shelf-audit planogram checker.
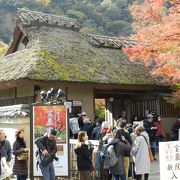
(169, 154)
(43, 118)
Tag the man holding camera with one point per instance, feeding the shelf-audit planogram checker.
(47, 153)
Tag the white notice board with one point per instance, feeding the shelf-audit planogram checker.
(139, 123)
(169, 156)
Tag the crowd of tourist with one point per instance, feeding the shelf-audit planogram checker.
(124, 150)
(134, 145)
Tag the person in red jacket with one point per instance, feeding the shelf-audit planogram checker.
(159, 131)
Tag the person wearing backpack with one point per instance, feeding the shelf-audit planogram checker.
(123, 131)
(120, 144)
(84, 155)
(106, 175)
(47, 153)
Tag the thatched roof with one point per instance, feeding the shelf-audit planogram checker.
(61, 53)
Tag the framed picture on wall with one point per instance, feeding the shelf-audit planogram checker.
(43, 118)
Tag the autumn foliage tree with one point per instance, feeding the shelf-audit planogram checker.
(157, 32)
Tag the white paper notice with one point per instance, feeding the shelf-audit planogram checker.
(169, 155)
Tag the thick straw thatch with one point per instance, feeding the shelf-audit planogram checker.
(61, 53)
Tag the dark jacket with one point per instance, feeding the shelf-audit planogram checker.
(84, 157)
(151, 132)
(96, 133)
(122, 132)
(44, 143)
(80, 122)
(88, 128)
(119, 147)
(20, 166)
(6, 147)
(175, 130)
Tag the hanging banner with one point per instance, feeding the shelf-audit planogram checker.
(43, 118)
(169, 156)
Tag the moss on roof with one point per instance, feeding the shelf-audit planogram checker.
(66, 55)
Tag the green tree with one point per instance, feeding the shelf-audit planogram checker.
(108, 17)
(77, 15)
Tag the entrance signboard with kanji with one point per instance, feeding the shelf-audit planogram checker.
(169, 154)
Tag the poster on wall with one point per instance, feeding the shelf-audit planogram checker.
(43, 118)
(169, 156)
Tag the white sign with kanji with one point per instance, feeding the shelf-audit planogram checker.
(169, 155)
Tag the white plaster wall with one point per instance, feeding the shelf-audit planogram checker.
(17, 123)
(84, 94)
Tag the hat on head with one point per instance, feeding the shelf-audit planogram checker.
(53, 132)
(150, 116)
(83, 114)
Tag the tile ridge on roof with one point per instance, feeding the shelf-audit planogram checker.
(15, 110)
(110, 42)
(30, 18)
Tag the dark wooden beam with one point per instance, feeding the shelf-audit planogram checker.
(99, 87)
(16, 39)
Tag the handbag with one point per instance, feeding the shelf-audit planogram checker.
(23, 156)
(151, 157)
